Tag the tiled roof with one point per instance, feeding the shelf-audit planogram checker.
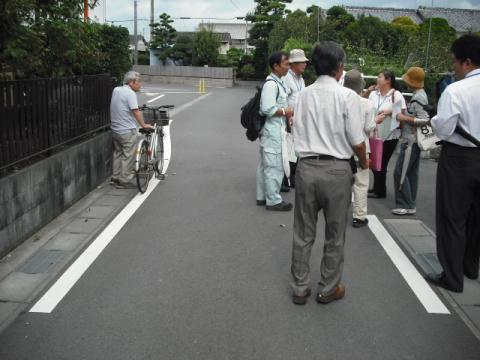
(462, 20)
(385, 14)
(131, 39)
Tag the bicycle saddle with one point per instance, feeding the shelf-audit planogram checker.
(145, 130)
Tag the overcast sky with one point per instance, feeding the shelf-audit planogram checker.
(229, 9)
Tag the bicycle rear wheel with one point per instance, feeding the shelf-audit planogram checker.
(159, 155)
(142, 170)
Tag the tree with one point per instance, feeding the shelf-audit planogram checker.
(47, 38)
(337, 21)
(442, 36)
(163, 36)
(374, 34)
(264, 17)
(182, 51)
(205, 50)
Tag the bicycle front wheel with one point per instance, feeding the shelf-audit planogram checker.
(142, 169)
(159, 155)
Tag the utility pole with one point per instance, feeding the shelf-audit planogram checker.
(85, 10)
(152, 5)
(135, 36)
(428, 41)
(318, 24)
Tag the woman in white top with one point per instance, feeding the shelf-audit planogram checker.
(388, 102)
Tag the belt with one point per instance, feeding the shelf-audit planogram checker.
(324, 157)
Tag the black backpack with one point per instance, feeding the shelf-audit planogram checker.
(251, 119)
(430, 109)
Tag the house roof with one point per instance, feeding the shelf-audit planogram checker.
(462, 20)
(222, 36)
(131, 39)
(236, 30)
(385, 14)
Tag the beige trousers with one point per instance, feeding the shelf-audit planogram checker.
(360, 194)
(124, 146)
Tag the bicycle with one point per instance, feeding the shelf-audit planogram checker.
(149, 157)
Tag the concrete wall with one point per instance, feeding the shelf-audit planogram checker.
(189, 75)
(33, 196)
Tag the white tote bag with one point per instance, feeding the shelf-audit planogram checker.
(426, 138)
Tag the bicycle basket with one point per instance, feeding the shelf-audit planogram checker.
(156, 116)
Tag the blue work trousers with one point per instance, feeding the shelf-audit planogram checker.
(269, 177)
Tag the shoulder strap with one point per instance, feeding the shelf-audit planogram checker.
(418, 102)
(462, 132)
(275, 81)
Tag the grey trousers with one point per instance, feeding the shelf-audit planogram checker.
(124, 146)
(320, 185)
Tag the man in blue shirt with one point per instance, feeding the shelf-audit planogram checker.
(274, 105)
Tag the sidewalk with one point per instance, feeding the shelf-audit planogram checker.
(29, 269)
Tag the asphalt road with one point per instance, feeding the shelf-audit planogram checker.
(201, 272)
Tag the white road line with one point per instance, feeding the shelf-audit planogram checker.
(190, 103)
(67, 280)
(414, 279)
(155, 98)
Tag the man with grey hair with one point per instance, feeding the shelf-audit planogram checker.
(125, 115)
(327, 132)
(354, 80)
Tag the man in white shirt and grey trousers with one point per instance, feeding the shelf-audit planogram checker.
(327, 132)
(458, 174)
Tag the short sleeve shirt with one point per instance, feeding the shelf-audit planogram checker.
(392, 101)
(124, 100)
(328, 120)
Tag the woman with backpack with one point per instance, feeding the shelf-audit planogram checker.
(388, 103)
(406, 171)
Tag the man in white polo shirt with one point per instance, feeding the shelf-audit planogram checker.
(125, 115)
(327, 132)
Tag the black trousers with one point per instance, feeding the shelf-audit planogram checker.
(380, 177)
(458, 212)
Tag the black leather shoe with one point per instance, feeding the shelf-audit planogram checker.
(376, 196)
(283, 206)
(261, 202)
(441, 281)
(358, 223)
(472, 276)
(301, 299)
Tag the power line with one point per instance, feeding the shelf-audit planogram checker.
(233, 3)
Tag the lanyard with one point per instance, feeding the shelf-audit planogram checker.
(298, 83)
(469, 76)
(279, 82)
(384, 99)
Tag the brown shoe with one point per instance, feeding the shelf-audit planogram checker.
(301, 299)
(336, 295)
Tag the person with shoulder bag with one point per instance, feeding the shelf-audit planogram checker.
(458, 174)
(388, 103)
(406, 171)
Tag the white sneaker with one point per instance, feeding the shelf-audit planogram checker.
(401, 212)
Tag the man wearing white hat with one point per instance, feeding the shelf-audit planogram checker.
(295, 84)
